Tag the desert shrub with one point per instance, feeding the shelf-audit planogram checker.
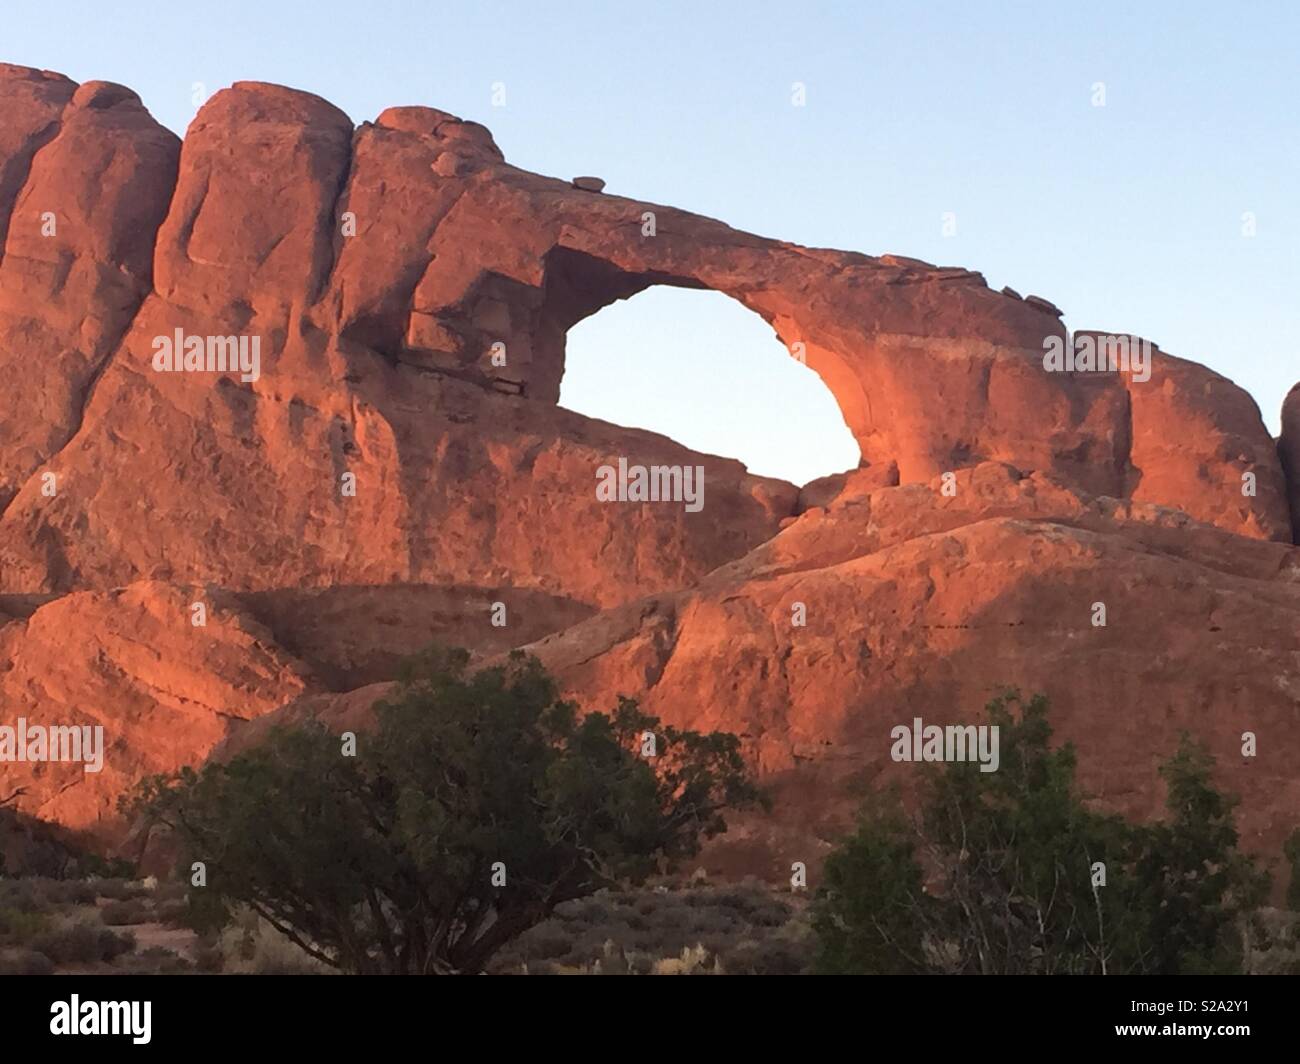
(743, 901)
(547, 941)
(1275, 943)
(774, 915)
(18, 926)
(585, 947)
(248, 945)
(597, 911)
(209, 959)
(631, 931)
(24, 962)
(712, 922)
(770, 956)
(170, 891)
(693, 960)
(43, 894)
(698, 899)
(25, 895)
(82, 942)
(116, 889)
(122, 913)
(70, 892)
(172, 911)
(156, 960)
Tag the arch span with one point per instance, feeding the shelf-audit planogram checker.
(931, 369)
(456, 251)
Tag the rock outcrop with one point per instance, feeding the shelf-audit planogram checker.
(1288, 447)
(85, 179)
(917, 604)
(388, 465)
(129, 661)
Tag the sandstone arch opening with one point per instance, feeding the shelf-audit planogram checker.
(697, 366)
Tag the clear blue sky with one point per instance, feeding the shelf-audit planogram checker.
(1128, 216)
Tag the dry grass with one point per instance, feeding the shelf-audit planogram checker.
(102, 925)
(661, 930)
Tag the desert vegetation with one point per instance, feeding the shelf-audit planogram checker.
(482, 824)
(477, 804)
(1013, 872)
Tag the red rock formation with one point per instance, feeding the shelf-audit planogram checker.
(364, 335)
(131, 661)
(921, 604)
(85, 178)
(410, 293)
(1195, 437)
(1289, 451)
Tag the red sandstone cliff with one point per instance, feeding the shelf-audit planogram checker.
(378, 266)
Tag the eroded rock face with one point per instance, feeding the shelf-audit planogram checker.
(85, 179)
(393, 465)
(923, 605)
(1289, 452)
(129, 661)
(1196, 446)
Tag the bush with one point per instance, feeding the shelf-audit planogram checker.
(83, 943)
(772, 956)
(18, 926)
(546, 941)
(41, 894)
(156, 960)
(25, 895)
(71, 892)
(640, 931)
(251, 946)
(173, 912)
(24, 962)
(116, 889)
(209, 959)
(120, 913)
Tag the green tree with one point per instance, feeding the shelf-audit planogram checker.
(393, 860)
(871, 912)
(1002, 872)
(1196, 885)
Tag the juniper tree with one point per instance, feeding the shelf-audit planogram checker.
(476, 804)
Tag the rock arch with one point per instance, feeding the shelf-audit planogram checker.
(454, 250)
